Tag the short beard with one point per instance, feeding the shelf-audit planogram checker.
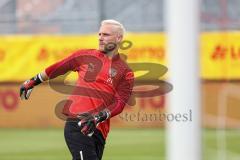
(109, 47)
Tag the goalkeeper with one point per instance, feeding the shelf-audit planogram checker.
(103, 88)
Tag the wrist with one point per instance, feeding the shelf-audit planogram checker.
(37, 79)
(102, 116)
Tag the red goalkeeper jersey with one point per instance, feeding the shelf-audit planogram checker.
(102, 83)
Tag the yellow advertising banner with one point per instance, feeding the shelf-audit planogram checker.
(22, 56)
(220, 55)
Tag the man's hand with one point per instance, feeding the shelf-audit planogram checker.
(27, 86)
(88, 122)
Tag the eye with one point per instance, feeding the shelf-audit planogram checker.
(107, 34)
(104, 34)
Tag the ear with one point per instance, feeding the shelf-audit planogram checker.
(119, 38)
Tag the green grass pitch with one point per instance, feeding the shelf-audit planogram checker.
(131, 144)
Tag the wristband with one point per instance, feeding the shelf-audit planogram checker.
(37, 79)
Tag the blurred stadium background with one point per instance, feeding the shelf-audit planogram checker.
(36, 33)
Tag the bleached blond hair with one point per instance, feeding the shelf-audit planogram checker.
(120, 27)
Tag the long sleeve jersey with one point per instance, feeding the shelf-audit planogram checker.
(102, 83)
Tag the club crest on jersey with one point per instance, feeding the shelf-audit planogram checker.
(112, 73)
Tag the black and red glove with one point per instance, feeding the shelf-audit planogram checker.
(88, 122)
(27, 86)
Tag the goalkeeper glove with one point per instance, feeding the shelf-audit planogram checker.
(88, 122)
(27, 86)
